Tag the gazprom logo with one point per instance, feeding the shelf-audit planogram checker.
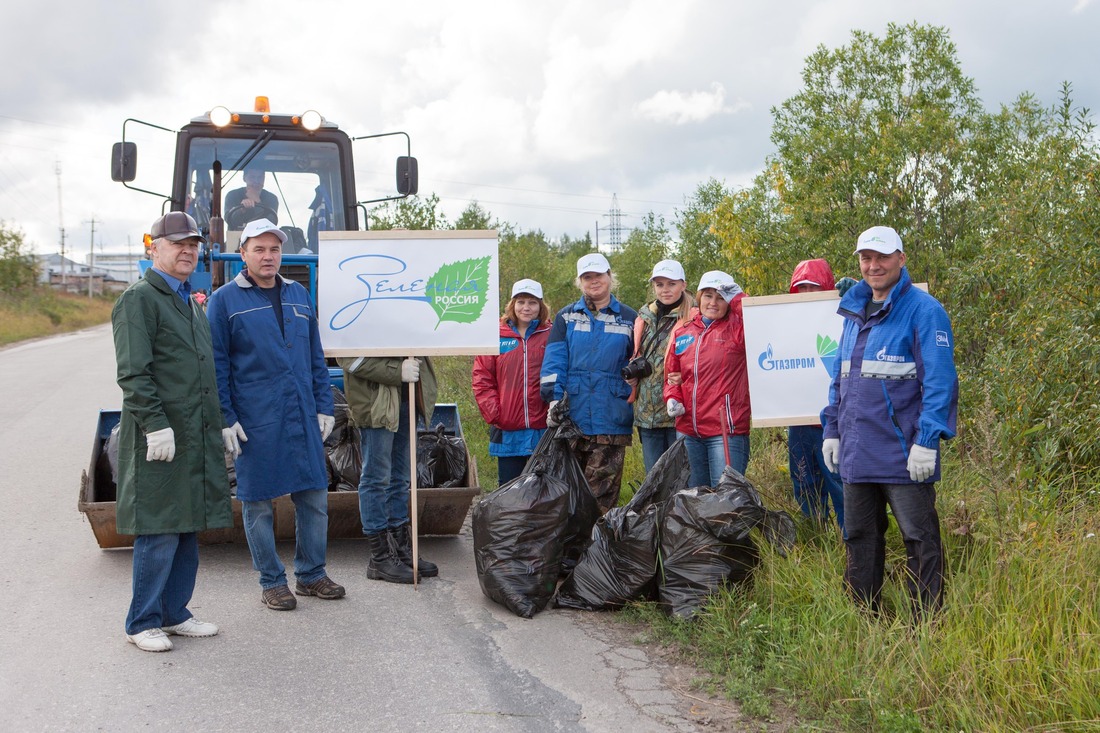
(883, 356)
(942, 339)
(683, 342)
(769, 363)
(507, 344)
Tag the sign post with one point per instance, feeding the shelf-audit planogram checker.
(401, 293)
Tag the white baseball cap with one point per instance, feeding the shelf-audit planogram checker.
(261, 226)
(527, 286)
(594, 262)
(880, 239)
(716, 279)
(670, 269)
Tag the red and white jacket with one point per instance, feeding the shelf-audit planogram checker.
(714, 388)
(506, 387)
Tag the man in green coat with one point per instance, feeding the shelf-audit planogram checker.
(172, 481)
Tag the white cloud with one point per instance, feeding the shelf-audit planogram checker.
(681, 108)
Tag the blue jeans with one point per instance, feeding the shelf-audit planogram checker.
(508, 467)
(165, 566)
(384, 483)
(865, 523)
(707, 457)
(814, 485)
(655, 441)
(310, 538)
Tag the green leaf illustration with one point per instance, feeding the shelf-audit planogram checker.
(457, 291)
(826, 345)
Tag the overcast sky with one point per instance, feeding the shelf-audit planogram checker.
(539, 111)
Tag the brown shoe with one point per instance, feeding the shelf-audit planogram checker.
(323, 588)
(279, 599)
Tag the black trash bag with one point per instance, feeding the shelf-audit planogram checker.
(669, 476)
(343, 453)
(106, 468)
(554, 455)
(618, 566)
(440, 459)
(620, 563)
(518, 540)
(705, 541)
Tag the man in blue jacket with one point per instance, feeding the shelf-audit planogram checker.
(274, 390)
(894, 396)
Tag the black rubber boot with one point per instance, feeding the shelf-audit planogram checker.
(402, 548)
(383, 564)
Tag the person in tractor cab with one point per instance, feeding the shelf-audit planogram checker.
(252, 202)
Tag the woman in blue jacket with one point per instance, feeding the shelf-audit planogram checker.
(590, 343)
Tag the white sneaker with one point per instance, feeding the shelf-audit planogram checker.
(151, 640)
(192, 627)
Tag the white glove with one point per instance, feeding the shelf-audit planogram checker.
(326, 423)
(675, 407)
(232, 437)
(830, 451)
(162, 445)
(410, 370)
(551, 420)
(922, 463)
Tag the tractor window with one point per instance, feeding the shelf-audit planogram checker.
(295, 183)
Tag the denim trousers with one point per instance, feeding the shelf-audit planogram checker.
(165, 566)
(865, 523)
(814, 485)
(384, 483)
(508, 467)
(707, 457)
(310, 538)
(655, 441)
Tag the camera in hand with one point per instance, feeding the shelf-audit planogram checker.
(637, 368)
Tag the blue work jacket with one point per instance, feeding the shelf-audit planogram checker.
(584, 359)
(274, 382)
(894, 383)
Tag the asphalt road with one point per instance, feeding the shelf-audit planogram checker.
(385, 658)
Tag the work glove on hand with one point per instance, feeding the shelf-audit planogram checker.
(326, 423)
(552, 414)
(830, 451)
(410, 370)
(162, 445)
(674, 407)
(232, 437)
(922, 463)
(845, 284)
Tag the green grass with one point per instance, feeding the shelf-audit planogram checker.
(44, 312)
(1017, 647)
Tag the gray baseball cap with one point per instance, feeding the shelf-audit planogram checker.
(174, 226)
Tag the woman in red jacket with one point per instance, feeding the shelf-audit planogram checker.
(707, 386)
(506, 387)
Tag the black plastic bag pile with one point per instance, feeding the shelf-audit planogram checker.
(523, 530)
(343, 453)
(673, 543)
(440, 459)
(620, 564)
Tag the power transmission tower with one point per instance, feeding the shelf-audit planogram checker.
(614, 226)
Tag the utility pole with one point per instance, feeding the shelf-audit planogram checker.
(60, 224)
(91, 257)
